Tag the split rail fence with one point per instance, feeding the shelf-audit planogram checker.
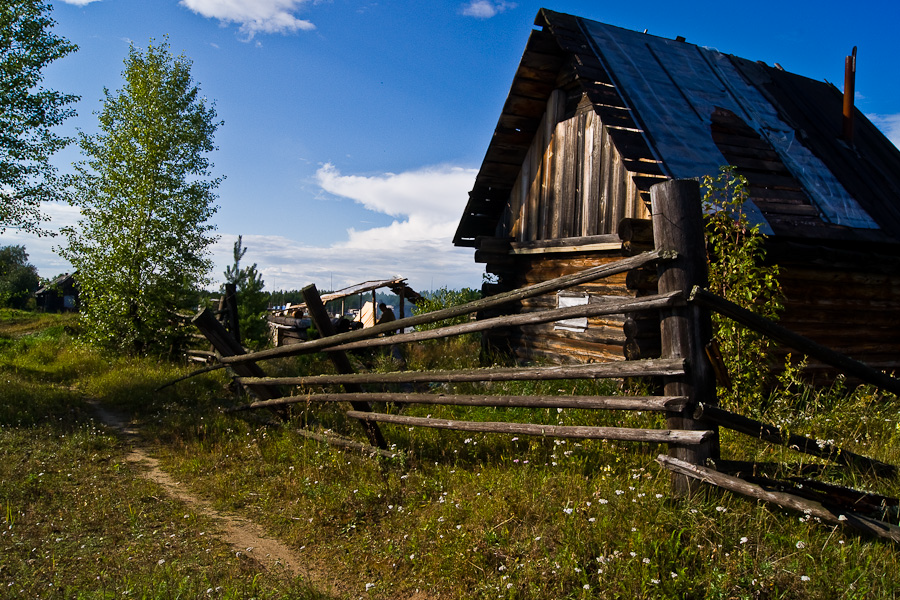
(688, 397)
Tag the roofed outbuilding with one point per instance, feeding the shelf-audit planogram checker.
(597, 114)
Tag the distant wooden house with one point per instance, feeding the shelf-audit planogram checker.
(597, 114)
(60, 295)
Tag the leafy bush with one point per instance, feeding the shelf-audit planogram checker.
(445, 298)
(738, 272)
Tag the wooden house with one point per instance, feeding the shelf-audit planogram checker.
(60, 295)
(597, 114)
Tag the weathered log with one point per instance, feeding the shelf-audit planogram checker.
(678, 224)
(231, 307)
(659, 436)
(641, 324)
(811, 508)
(537, 289)
(627, 368)
(636, 230)
(640, 348)
(326, 329)
(641, 403)
(787, 337)
(774, 435)
(605, 306)
(226, 345)
(642, 280)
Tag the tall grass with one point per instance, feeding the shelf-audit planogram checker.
(454, 515)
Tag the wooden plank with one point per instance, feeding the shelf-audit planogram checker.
(326, 329)
(807, 507)
(774, 435)
(642, 368)
(226, 346)
(795, 341)
(660, 436)
(585, 276)
(641, 403)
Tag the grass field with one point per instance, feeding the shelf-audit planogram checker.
(452, 516)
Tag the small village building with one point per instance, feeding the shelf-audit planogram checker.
(597, 114)
(60, 295)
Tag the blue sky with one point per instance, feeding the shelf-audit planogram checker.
(354, 129)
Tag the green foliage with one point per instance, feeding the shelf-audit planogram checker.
(145, 194)
(252, 300)
(28, 112)
(18, 279)
(445, 298)
(738, 272)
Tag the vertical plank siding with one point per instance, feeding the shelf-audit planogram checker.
(572, 183)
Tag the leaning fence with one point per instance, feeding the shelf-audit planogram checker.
(687, 398)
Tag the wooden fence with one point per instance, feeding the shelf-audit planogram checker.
(688, 397)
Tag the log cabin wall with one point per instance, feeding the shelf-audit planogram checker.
(846, 301)
(572, 191)
(598, 339)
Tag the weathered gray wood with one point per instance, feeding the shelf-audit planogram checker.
(808, 507)
(793, 340)
(628, 368)
(642, 403)
(660, 436)
(531, 291)
(596, 308)
(678, 225)
(226, 345)
(325, 328)
(774, 435)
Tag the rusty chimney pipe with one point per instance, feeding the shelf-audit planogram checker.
(849, 92)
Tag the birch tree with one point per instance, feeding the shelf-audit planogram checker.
(146, 194)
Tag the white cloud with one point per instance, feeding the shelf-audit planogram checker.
(434, 193)
(485, 9)
(254, 16)
(889, 125)
(426, 205)
(79, 2)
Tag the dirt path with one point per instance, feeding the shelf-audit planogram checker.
(242, 534)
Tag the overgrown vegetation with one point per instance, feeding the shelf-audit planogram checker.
(455, 515)
(738, 272)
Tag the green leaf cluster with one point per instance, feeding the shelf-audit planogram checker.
(146, 195)
(28, 113)
(738, 272)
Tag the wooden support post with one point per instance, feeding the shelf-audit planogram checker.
(226, 345)
(323, 324)
(685, 331)
(232, 311)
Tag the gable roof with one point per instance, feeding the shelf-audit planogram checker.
(678, 110)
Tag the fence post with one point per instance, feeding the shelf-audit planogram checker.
(323, 324)
(685, 331)
(231, 306)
